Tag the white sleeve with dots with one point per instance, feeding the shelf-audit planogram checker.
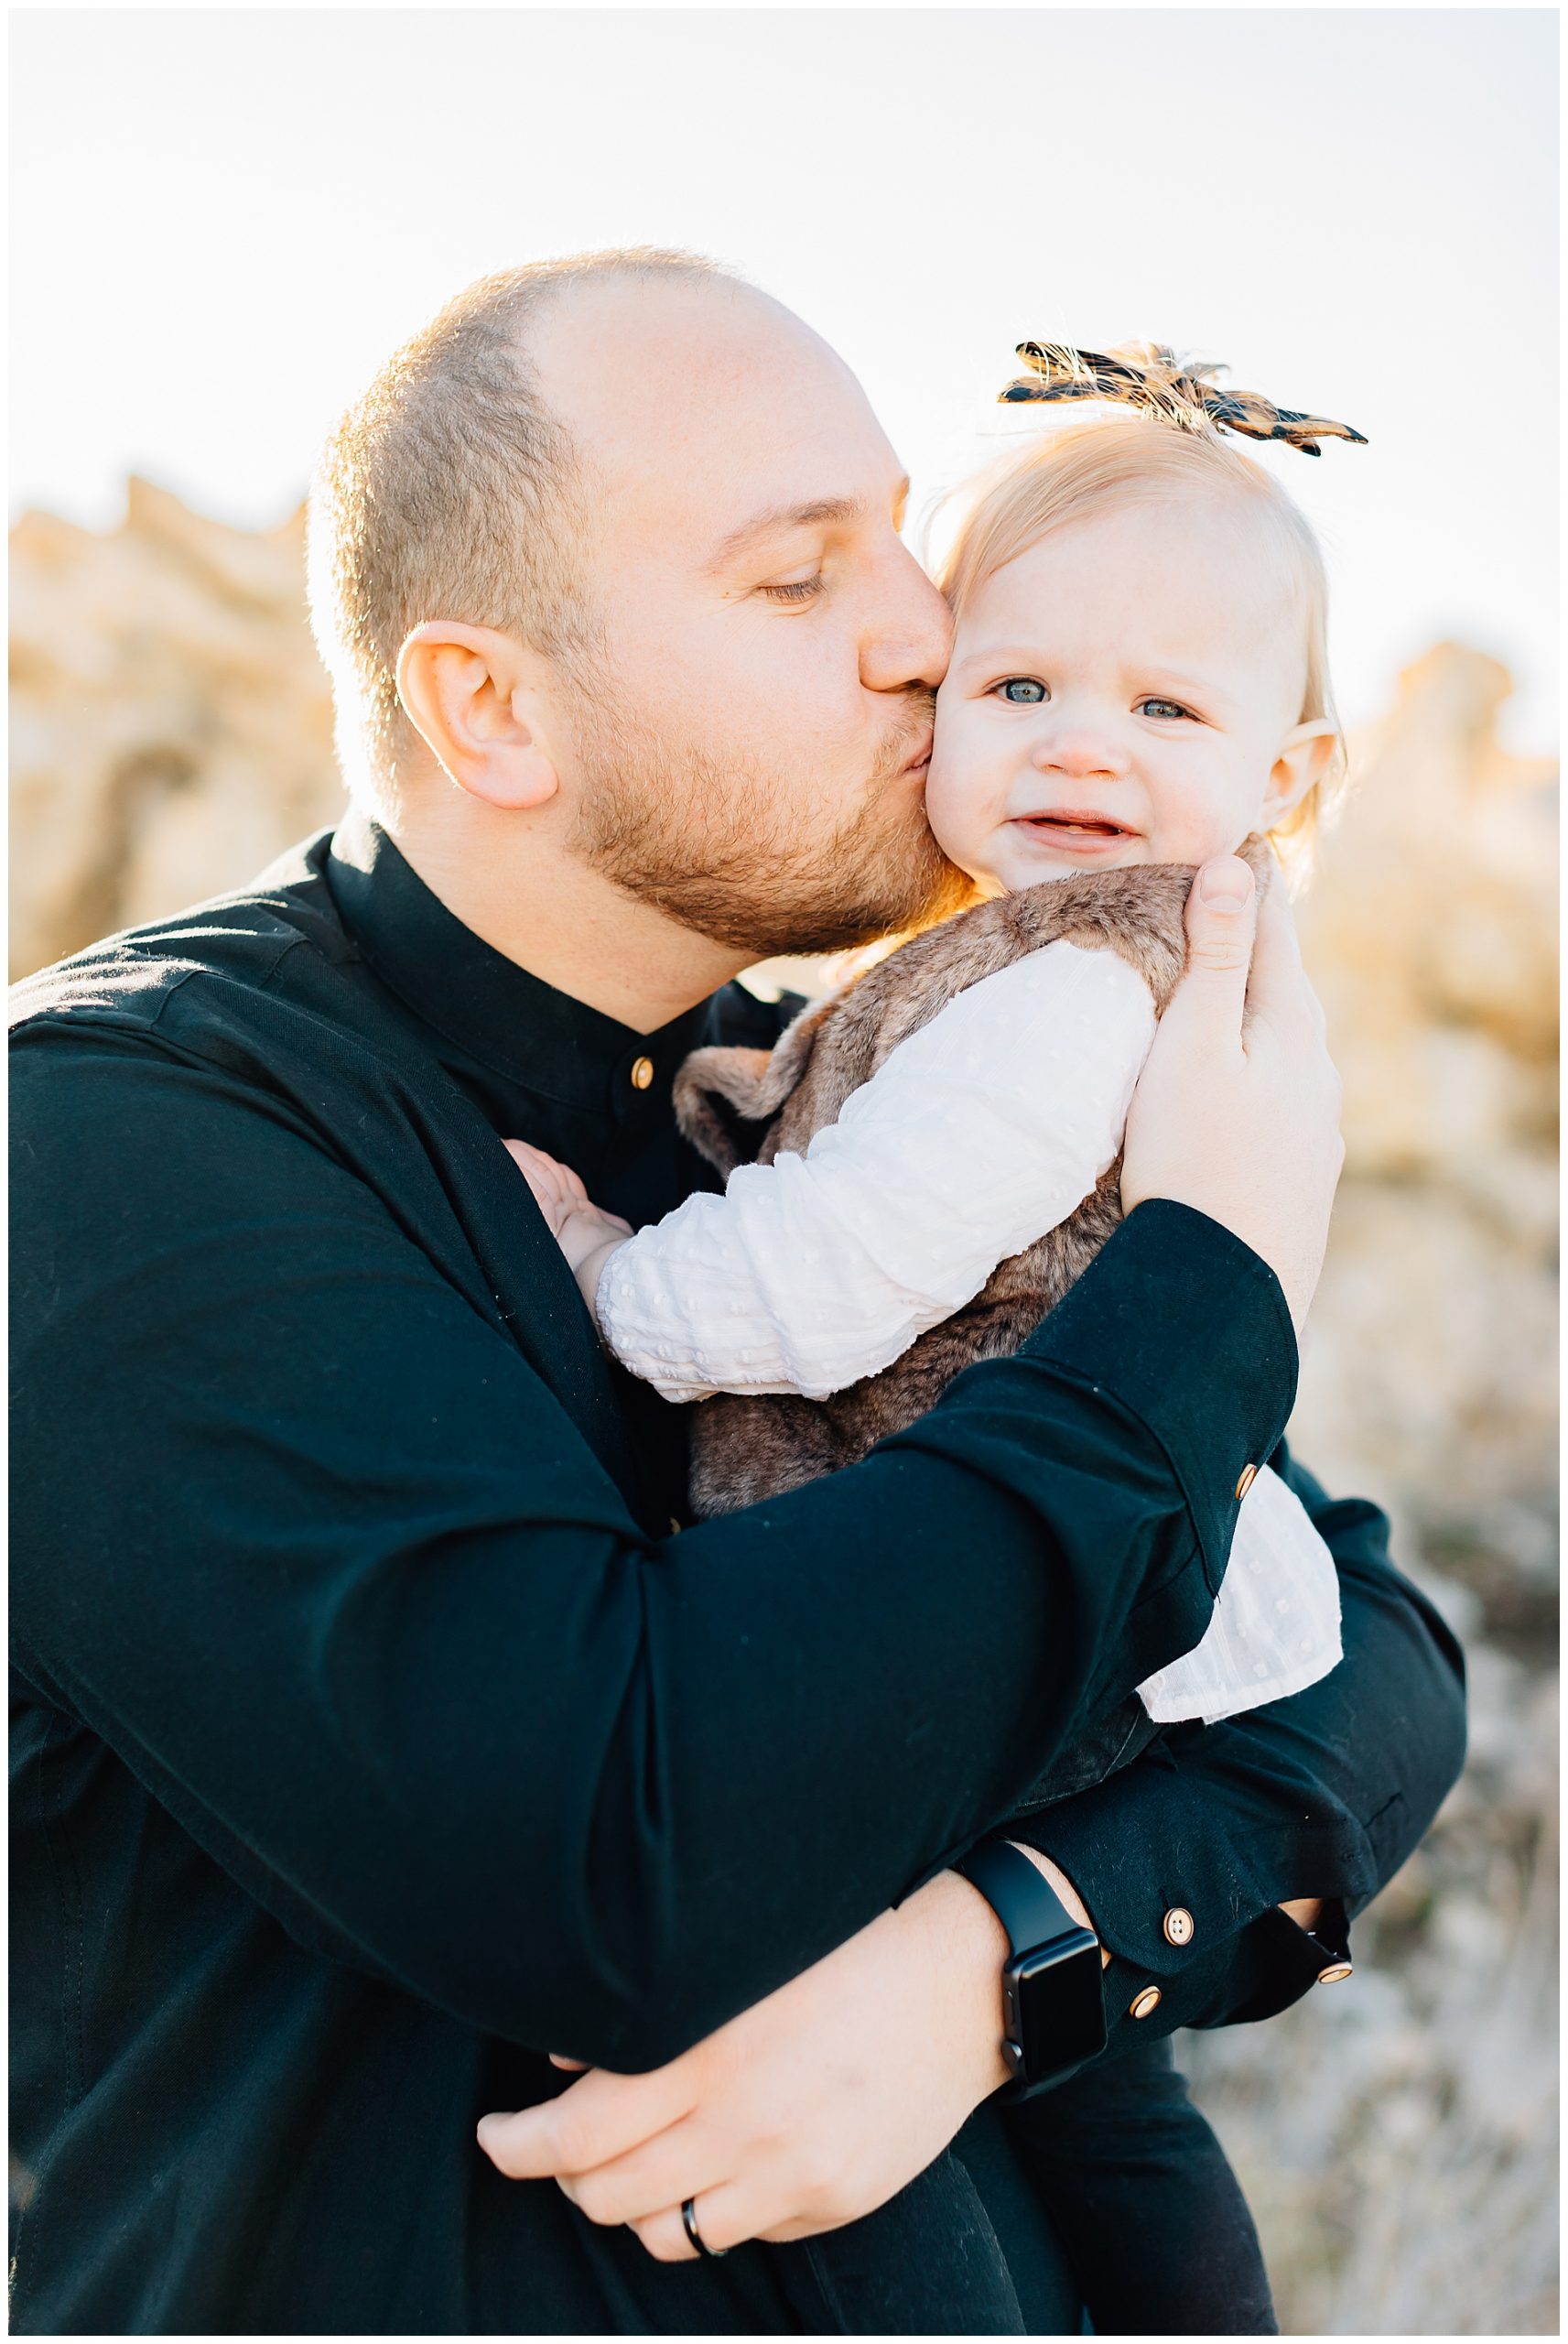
(1275, 1626)
(976, 1135)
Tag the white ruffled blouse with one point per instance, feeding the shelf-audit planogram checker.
(974, 1136)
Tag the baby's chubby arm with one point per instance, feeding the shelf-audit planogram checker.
(977, 1134)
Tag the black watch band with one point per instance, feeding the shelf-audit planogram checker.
(1053, 2007)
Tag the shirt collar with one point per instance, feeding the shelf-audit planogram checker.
(484, 1003)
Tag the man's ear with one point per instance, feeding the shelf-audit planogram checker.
(472, 695)
(1304, 756)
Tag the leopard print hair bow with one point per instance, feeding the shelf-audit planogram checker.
(1144, 375)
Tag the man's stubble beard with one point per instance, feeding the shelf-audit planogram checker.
(702, 843)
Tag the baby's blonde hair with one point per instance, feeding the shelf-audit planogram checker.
(1089, 468)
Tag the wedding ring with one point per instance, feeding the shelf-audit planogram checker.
(689, 2216)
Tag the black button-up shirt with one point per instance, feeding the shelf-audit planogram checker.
(377, 1729)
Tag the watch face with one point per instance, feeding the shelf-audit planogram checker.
(1061, 2007)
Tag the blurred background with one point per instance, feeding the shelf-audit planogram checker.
(229, 217)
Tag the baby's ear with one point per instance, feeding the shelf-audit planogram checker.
(1305, 756)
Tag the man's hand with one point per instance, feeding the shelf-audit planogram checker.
(1237, 1111)
(809, 2110)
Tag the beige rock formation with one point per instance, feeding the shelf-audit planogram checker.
(1396, 2136)
(1430, 930)
(171, 724)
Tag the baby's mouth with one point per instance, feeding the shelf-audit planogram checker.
(1069, 825)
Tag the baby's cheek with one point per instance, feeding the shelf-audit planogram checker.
(1210, 816)
(955, 815)
(1199, 841)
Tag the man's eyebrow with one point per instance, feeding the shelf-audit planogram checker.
(776, 519)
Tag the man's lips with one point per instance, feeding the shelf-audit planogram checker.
(921, 755)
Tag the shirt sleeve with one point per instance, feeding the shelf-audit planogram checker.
(308, 1538)
(977, 1135)
(1322, 1794)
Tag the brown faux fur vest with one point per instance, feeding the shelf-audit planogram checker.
(744, 1449)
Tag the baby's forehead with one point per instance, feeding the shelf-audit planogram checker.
(1211, 569)
(1163, 535)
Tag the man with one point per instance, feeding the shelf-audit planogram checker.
(381, 1729)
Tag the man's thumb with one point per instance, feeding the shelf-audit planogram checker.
(1222, 917)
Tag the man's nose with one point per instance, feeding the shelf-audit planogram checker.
(910, 639)
(1083, 751)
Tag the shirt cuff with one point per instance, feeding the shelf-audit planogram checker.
(1262, 1970)
(1188, 1327)
(1168, 1883)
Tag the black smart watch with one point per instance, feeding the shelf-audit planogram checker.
(1053, 2006)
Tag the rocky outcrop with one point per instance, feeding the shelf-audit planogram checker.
(1430, 930)
(171, 724)
(1397, 2136)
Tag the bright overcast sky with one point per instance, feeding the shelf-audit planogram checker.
(224, 219)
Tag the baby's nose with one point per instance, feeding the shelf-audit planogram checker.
(1082, 749)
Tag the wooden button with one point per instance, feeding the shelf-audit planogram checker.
(1334, 1973)
(1141, 2004)
(1248, 1475)
(641, 1073)
(1178, 1926)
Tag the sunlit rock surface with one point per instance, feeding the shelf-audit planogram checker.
(170, 724)
(1430, 930)
(1396, 2132)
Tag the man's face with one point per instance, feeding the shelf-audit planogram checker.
(748, 750)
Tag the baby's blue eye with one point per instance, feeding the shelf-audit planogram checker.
(1162, 707)
(1024, 691)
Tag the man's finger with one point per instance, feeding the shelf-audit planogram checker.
(675, 2163)
(1279, 992)
(725, 2217)
(1222, 917)
(600, 2118)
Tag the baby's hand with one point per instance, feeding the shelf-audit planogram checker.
(586, 1235)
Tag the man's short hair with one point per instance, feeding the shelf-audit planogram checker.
(450, 491)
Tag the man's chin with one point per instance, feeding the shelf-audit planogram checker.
(847, 928)
(798, 920)
(704, 846)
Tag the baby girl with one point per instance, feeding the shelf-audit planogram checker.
(1138, 682)
(1137, 678)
